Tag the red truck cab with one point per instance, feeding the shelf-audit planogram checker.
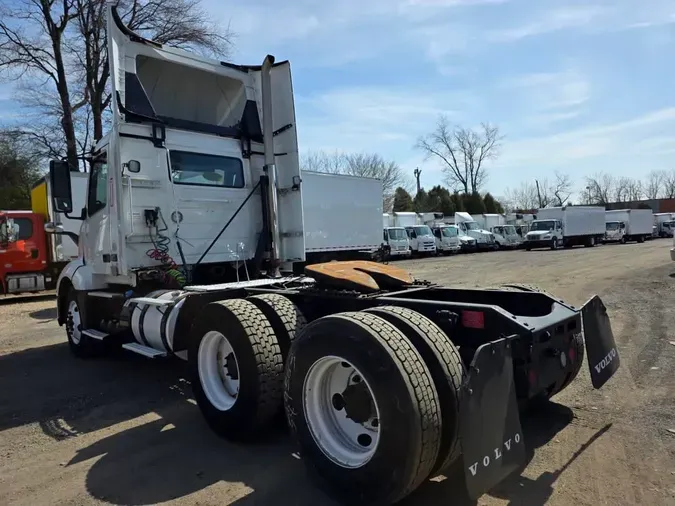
(23, 252)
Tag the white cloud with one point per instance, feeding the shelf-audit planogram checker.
(548, 97)
(624, 141)
(365, 118)
(552, 21)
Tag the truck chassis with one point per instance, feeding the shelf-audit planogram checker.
(384, 380)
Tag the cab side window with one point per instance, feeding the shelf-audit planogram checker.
(97, 196)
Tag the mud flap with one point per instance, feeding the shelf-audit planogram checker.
(490, 431)
(603, 357)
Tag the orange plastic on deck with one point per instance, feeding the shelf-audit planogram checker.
(359, 275)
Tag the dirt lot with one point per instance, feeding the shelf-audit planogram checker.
(124, 430)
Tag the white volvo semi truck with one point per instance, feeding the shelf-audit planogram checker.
(192, 226)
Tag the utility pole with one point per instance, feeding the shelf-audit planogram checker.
(418, 173)
(538, 194)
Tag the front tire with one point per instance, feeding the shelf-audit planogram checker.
(236, 368)
(363, 408)
(81, 345)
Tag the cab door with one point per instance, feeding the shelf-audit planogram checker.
(96, 228)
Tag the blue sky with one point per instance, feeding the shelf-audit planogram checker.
(575, 86)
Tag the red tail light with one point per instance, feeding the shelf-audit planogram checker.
(473, 319)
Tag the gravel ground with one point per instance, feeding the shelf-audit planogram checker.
(124, 430)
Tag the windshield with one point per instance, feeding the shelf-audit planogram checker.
(422, 230)
(510, 230)
(471, 225)
(613, 225)
(543, 225)
(449, 232)
(397, 233)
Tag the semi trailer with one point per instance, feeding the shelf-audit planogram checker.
(384, 380)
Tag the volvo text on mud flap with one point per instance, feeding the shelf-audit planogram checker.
(490, 430)
(603, 356)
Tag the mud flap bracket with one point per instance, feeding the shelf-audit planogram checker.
(490, 430)
(603, 356)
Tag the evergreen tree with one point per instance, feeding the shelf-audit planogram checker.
(402, 200)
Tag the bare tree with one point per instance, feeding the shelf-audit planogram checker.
(58, 50)
(561, 189)
(599, 188)
(669, 184)
(620, 189)
(523, 197)
(463, 152)
(634, 190)
(363, 165)
(654, 184)
(32, 34)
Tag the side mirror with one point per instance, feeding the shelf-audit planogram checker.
(59, 177)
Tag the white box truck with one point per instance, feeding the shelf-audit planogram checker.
(566, 226)
(422, 241)
(506, 235)
(395, 237)
(623, 225)
(485, 240)
(341, 216)
(665, 224)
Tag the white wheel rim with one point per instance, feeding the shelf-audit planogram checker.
(346, 442)
(74, 314)
(218, 370)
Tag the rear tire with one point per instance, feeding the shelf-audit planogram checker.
(446, 368)
(399, 392)
(284, 316)
(236, 368)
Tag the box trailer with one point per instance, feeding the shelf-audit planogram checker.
(566, 227)
(342, 216)
(623, 225)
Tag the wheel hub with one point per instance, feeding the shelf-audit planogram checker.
(358, 404)
(342, 413)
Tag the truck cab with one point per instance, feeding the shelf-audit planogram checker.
(468, 226)
(447, 239)
(397, 240)
(192, 174)
(23, 252)
(544, 234)
(506, 236)
(422, 240)
(615, 231)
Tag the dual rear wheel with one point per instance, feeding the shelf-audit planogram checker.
(372, 397)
